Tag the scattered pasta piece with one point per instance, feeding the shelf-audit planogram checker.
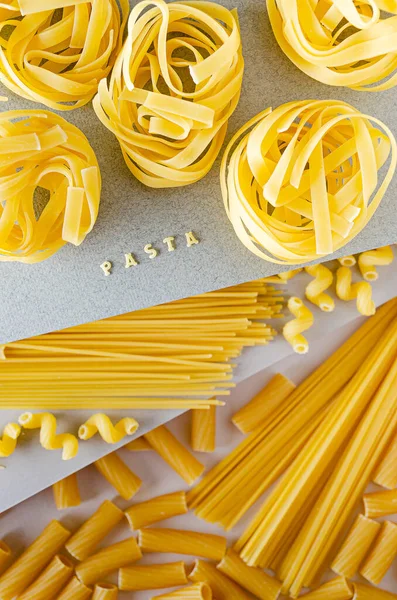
(111, 434)
(278, 179)
(380, 504)
(336, 589)
(49, 439)
(66, 492)
(347, 261)
(75, 590)
(203, 430)
(222, 587)
(288, 275)
(152, 577)
(382, 555)
(356, 547)
(105, 591)
(192, 543)
(51, 581)
(171, 137)
(366, 592)
(109, 559)
(156, 510)
(361, 291)
(50, 185)
(323, 279)
(368, 261)
(119, 475)
(139, 445)
(5, 555)
(199, 591)
(8, 442)
(292, 330)
(386, 472)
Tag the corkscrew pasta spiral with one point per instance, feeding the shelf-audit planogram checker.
(301, 181)
(293, 330)
(49, 439)
(111, 434)
(171, 126)
(57, 51)
(323, 279)
(340, 42)
(8, 442)
(361, 291)
(368, 261)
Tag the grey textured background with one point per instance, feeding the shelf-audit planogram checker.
(70, 288)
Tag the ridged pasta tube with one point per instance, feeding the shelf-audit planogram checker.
(386, 473)
(192, 543)
(152, 577)
(256, 581)
(156, 510)
(292, 330)
(361, 291)
(323, 279)
(367, 592)
(347, 261)
(336, 589)
(8, 442)
(288, 275)
(203, 430)
(49, 439)
(382, 555)
(199, 591)
(105, 591)
(380, 504)
(119, 475)
(75, 590)
(108, 559)
(368, 261)
(355, 547)
(111, 434)
(5, 555)
(222, 587)
(66, 492)
(51, 581)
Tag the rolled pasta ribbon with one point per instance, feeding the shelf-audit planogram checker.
(368, 261)
(171, 134)
(292, 330)
(50, 185)
(8, 442)
(49, 439)
(301, 181)
(361, 291)
(341, 42)
(58, 51)
(111, 434)
(323, 279)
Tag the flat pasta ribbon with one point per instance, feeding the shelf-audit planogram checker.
(339, 42)
(56, 52)
(302, 181)
(172, 90)
(50, 185)
(111, 434)
(49, 438)
(8, 442)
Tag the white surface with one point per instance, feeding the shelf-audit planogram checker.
(21, 524)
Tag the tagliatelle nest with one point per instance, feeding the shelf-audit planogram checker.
(174, 86)
(339, 42)
(301, 181)
(56, 54)
(49, 185)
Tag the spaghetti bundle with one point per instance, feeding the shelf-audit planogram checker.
(50, 185)
(173, 88)
(177, 355)
(302, 181)
(340, 42)
(57, 51)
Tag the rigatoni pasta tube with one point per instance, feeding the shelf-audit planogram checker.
(256, 581)
(380, 504)
(176, 541)
(139, 445)
(86, 539)
(355, 547)
(66, 492)
(222, 587)
(105, 591)
(386, 472)
(203, 433)
(75, 590)
(175, 454)
(263, 404)
(107, 560)
(199, 591)
(5, 555)
(32, 562)
(152, 577)
(336, 589)
(156, 510)
(51, 581)
(367, 592)
(119, 475)
(382, 554)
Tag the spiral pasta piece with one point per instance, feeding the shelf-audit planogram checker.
(361, 291)
(57, 51)
(339, 42)
(49, 439)
(292, 330)
(50, 185)
(8, 442)
(323, 279)
(171, 127)
(111, 434)
(300, 182)
(368, 261)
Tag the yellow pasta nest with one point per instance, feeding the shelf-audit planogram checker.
(339, 42)
(56, 52)
(50, 185)
(174, 86)
(303, 180)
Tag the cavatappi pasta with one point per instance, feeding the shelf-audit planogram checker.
(49, 439)
(386, 473)
(368, 261)
(204, 545)
(66, 492)
(152, 577)
(8, 442)
(111, 434)
(119, 475)
(111, 558)
(292, 331)
(170, 135)
(105, 591)
(380, 504)
(156, 510)
(51, 581)
(199, 591)
(315, 290)
(360, 291)
(382, 554)
(203, 430)
(356, 547)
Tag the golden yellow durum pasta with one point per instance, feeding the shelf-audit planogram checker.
(111, 434)
(287, 275)
(361, 291)
(336, 589)
(108, 559)
(203, 430)
(323, 279)
(199, 591)
(194, 543)
(75, 590)
(152, 577)
(386, 473)
(8, 442)
(368, 261)
(139, 445)
(5, 555)
(50, 185)
(119, 475)
(301, 181)
(347, 261)
(33, 560)
(156, 510)
(57, 51)
(51, 581)
(49, 439)
(340, 42)
(222, 587)
(105, 591)
(367, 592)
(355, 547)
(380, 504)
(66, 492)
(292, 331)
(382, 555)
(170, 126)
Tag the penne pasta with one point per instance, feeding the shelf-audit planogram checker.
(199, 591)
(66, 492)
(366, 592)
(222, 587)
(105, 591)
(49, 439)
(5, 555)
(256, 581)
(336, 589)
(368, 261)
(264, 404)
(356, 547)
(152, 577)
(156, 510)
(8, 442)
(382, 554)
(176, 541)
(32, 562)
(292, 331)
(75, 590)
(386, 472)
(51, 581)
(109, 559)
(175, 454)
(380, 504)
(119, 475)
(83, 543)
(111, 434)
(138, 445)
(203, 432)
